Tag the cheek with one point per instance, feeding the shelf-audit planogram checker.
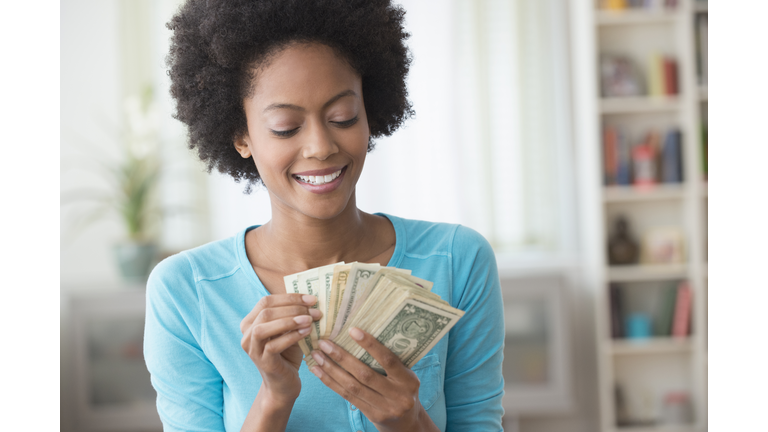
(271, 161)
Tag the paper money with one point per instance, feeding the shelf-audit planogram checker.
(397, 308)
(359, 273)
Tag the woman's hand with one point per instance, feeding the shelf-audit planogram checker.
(391, 402)
(270, 335)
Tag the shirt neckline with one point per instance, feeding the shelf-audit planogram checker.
(245, 264)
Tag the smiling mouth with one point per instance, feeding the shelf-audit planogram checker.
(319, 180)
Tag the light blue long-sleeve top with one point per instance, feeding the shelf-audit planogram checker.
(206, 382)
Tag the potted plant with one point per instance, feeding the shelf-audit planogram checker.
(132, 183)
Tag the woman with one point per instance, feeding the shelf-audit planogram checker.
(290, 94)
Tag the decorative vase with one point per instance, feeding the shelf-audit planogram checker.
(135, 261)
(622, 248)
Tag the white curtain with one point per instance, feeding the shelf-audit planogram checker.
(489, 146)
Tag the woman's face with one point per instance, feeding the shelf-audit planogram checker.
(307, 130)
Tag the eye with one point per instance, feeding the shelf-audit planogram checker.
(346, 123)
(286, 133)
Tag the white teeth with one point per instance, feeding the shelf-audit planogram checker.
(318, 180)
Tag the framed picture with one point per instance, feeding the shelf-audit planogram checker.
(662, 246)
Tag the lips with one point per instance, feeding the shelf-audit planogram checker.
(318, 177)
(321, 181)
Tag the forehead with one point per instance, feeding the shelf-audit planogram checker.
(304, 74)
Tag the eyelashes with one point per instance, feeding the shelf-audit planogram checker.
(342, 124)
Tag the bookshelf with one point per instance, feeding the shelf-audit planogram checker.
(648, 366)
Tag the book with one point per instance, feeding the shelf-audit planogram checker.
(617, 320)
(615, 4)
(670, 76)
(610, 156)
(624, 169)
(666, 311)
(681, 323)
(671, 160)
(656, 75)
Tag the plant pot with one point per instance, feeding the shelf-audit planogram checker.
(135, 261)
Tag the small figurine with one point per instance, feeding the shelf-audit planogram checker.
(622, 249)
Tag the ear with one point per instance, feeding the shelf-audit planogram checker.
(243, 146)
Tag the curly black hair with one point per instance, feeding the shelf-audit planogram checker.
(218, 44)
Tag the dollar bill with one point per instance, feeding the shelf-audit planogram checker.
(312, 282)
(338, 284)
(413, 330)
(292, 287)
(359, 274)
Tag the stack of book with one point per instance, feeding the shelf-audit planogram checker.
(672, 319)
(662, 75)
(638, 4)
(653, 160)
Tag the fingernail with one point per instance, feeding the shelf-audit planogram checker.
(302, 319)
(356, 334)
(317, 371)
(309, 299)
(326, 347)
(318, 358)
(315, 313)
(304, 331)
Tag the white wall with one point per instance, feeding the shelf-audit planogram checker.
(90, 108)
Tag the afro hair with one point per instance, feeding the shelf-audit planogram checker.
(217, 45)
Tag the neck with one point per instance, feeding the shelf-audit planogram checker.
(295, 241)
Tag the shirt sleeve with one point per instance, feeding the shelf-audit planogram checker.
(189, 388)
(474, 385)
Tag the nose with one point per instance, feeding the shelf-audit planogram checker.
(319, 142)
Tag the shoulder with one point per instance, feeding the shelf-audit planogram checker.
(425, 237)
(180, 273)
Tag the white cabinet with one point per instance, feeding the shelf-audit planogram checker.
(111, 384)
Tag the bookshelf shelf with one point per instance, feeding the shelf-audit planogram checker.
(658, 428)
(617, 130)
(615, 194)
(638, 273)
(658, 345)
(626, 17)
(639, 104)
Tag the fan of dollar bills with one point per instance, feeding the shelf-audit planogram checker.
(394, 306)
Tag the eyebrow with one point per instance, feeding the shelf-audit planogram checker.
(275, 106)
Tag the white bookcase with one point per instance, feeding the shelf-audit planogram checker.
(649, 368)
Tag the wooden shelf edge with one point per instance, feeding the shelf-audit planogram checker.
(638, 104)
(658, 192)
(646, 272)
(658, 428)
(607, 17)
(654, 345)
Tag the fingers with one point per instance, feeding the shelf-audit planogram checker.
(355, 377)
(283, 342)
(275, 301)
(392, 364)
(345, 385)
(257, 336)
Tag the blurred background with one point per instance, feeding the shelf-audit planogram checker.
(571, 134)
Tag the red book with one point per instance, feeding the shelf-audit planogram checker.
(681, 323)
(670, 76)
